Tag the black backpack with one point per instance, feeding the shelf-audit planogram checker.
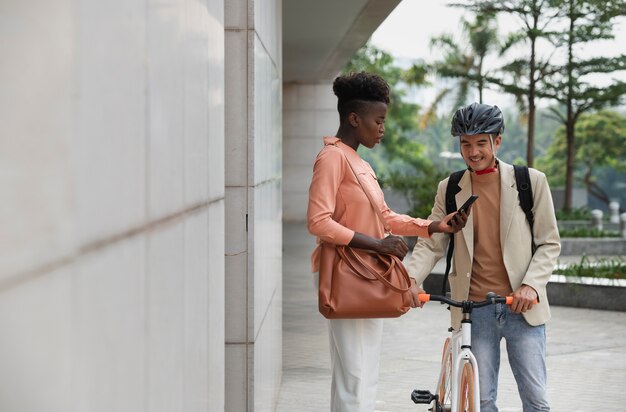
(522, 178)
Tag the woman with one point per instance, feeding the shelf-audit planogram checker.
(340, 213)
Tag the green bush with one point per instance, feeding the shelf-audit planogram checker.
(614, 268)
(587, 232)
(581, 213)
(418, 190)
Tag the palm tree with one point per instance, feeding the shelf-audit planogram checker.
(521, 76)
(464, 60)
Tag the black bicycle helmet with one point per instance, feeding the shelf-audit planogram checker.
(477, 119)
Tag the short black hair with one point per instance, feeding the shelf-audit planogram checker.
(354, 89)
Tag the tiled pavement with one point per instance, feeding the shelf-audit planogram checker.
(586, 350)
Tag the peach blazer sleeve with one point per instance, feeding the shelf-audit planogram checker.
(338, 206)
(328, 173)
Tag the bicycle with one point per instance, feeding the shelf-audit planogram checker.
(458, 387)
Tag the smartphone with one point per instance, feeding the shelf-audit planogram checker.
(465, 206)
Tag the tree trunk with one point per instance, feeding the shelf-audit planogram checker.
(530, 147)
(571, 118)
(569, 165)
(480, 80)
(530, 153)
(597, 192)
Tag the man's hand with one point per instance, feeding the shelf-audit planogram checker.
(457, 221)
(523, 299)
(415, 290)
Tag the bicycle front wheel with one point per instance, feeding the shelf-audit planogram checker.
(445, 382)
(466, 389)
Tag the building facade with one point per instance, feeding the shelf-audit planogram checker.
(149, 151)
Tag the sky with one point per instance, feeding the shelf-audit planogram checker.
(407, 31)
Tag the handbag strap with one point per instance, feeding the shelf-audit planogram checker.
(350, 257)
(392, 261)
(367, 193)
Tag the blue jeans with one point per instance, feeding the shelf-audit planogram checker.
(526, 349)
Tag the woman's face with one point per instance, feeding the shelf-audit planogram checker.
(370, 124)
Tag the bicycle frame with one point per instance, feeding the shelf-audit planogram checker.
(458, 350)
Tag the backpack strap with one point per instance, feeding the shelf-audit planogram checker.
(525, 191)
(451, 190)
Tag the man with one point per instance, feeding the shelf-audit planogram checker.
(493, 253)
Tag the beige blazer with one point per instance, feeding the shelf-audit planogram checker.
(522, 266)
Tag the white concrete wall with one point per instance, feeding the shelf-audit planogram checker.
(253, 204)
(112, 216)
(310, 112)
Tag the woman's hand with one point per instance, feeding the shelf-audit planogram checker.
(452, 223)
(414, 291)
(393, 245)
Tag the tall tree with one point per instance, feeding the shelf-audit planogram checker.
(521, 76)
(463, 60)
(587, 21)
(601, 139)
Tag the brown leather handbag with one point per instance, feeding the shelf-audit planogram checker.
(357, 283)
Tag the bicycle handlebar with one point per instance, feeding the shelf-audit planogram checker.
(425, 297)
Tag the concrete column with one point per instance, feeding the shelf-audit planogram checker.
(596, 219)
(310, 113)
(112, 239)
(613, 212)
(253, 156)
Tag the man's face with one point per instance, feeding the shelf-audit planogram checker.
(477, 151)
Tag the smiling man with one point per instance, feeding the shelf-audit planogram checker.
(497, 251)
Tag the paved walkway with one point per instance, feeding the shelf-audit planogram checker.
(586, 350)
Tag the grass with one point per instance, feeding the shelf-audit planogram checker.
(608, 268)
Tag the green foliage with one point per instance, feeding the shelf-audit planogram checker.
(464, 59)
(581, 213)
(520, 74)
(420, 192)
(566, 24)
(401, 162)
(587, 232)
(601, 141)
(401, 119)
(586, 21)
(602, 268)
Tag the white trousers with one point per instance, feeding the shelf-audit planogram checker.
(355, 353)
(355, 346)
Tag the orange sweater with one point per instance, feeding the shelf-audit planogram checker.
(488, 271)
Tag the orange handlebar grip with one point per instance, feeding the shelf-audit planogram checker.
(423, 297)
(509, 300)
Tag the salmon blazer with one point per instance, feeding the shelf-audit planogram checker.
(515, 236)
